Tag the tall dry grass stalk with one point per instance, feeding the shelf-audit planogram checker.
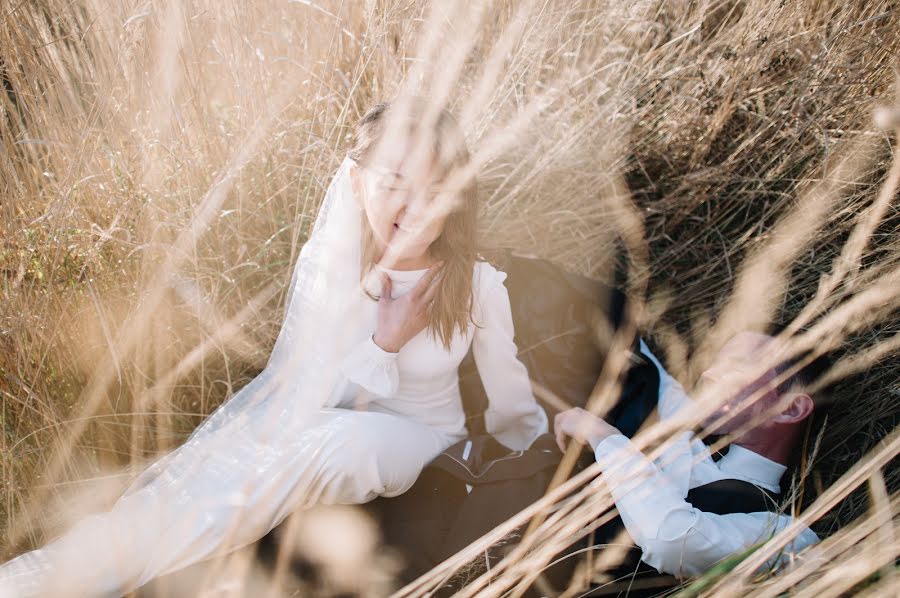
(162, 164)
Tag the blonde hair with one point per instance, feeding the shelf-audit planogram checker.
(456, 246)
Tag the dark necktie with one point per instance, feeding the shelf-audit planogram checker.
(709, 440)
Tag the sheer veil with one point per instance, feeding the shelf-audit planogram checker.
(302, 373)
(188, 504)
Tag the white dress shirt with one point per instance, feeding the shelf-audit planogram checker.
(675, 537)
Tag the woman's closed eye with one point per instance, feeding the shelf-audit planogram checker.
(431, 192)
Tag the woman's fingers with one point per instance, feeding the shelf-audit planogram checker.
(386, 288)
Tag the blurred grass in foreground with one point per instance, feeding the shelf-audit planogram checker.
(162, 163)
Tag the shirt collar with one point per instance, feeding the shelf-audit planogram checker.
(753, 467)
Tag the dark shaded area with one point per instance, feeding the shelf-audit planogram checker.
(564, 325)
(709, 197)
(7, 86)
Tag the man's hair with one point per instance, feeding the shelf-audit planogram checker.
(803, 377)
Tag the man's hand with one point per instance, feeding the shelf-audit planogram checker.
(403, 318)
(581, 425)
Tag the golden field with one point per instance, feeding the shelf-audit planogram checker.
(162, 162)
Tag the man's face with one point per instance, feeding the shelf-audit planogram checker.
(734, 370)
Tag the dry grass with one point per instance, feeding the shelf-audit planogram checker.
(162, 162)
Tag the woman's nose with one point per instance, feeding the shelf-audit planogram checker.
(413, 210)
(405, 201)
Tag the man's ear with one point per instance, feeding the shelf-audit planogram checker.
(799, 408)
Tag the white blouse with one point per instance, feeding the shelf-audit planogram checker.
(421, 381)
(161, 529)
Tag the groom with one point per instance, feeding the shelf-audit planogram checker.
(686, 511)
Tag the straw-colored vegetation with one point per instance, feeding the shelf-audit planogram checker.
(162, 161)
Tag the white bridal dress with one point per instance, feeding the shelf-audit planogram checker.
(332, 419)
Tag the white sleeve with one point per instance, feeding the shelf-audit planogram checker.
(513, 415)
(672, 396)
(372, 368)
(674, 536)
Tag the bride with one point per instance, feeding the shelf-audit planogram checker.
(361, 389)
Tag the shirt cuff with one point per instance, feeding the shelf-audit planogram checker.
(624, 467)
(372, 368)
(520, 430)
(610, 446)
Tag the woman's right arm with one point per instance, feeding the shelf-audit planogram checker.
(372, 368)
(372, 364)
(400, 319)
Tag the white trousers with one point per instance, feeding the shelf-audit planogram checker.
(241, 491)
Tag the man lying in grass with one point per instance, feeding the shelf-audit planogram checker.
(685, 510)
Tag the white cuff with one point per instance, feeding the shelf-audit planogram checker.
(624, 467)
(373, 368)
(609, 448)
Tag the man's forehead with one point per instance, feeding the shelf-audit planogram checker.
(744, 344)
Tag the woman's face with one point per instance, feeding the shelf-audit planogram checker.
(398, 192)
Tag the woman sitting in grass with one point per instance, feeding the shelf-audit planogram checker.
(361, 389)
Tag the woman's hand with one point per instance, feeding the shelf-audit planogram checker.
(399, 320)
(581, 425)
